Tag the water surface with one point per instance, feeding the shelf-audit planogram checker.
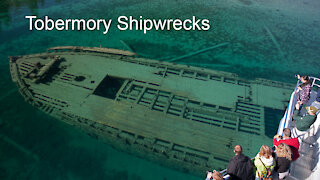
(267, 39)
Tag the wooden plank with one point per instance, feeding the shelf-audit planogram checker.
(158, 126)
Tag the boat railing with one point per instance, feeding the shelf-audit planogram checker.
(90, 49)
(285, 121)
(224, 174)
(287, 118)
(315, 81)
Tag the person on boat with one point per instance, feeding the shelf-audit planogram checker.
(283, 161)
(264, 163)
(293, 143)
(304, 89)
(240, 166)
(215, 175)
(316, 103)
(303, 123)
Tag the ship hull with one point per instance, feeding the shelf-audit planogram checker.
(188, 118)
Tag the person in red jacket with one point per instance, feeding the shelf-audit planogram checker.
(293, 143)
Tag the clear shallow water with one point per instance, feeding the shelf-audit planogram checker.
(268, 39)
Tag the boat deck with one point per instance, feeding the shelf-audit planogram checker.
(307, 164)
(185, 113)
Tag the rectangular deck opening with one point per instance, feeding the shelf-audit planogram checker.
(109, 87)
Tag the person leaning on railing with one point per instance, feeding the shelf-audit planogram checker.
(305, 89)
(303, 123)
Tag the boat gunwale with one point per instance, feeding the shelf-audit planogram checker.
(128, 56)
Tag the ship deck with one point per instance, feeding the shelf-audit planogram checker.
(200, 112)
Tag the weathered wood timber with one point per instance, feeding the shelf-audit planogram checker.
(181, 116)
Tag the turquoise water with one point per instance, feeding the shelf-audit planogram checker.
(267, 39)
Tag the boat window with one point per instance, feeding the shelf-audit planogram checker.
(109, 87)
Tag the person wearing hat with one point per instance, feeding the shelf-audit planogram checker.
(303, 123)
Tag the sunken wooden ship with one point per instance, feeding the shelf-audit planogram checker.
(185, 117)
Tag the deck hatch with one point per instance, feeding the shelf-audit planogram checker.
(109, 87)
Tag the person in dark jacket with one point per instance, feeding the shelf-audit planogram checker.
(240, 166)
(303, 123)
(283, 161)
